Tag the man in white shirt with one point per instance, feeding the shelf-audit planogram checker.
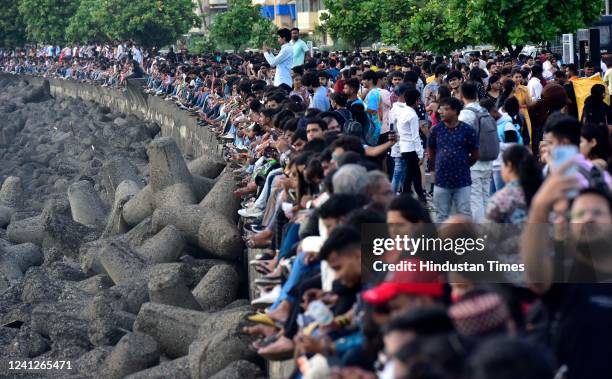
(300, 48)
(535, 83)
(404, 118)
(283, 61)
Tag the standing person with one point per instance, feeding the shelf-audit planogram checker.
(374, 103)
(431, 90)
(482, 171)
(595, 111)
(406, 120)
(300, 48)
(571, 72)
(454, 79)
(494, 88)
(523, 96)
(283, 61)
(452, 149)
(536, 82)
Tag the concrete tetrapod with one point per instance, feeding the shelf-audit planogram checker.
(175, 369)
(170, 179)
(221, 197)
(85, 205)
(173, 328)
(26, 230)
(133, 353)
(116, 224)
(121, 264)
(164, 247)
(206, 166)
(218, 288)
(169, 288)
(220, 342)
(11, 199)
(203, 227)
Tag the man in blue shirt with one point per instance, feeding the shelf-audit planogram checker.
(453, 149)
(283, 61)
(320, 100)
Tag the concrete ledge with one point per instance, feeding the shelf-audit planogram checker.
(193, 140)
(276, 369)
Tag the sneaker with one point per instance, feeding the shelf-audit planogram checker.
(267, 298)
(250, 212)
(228, 136)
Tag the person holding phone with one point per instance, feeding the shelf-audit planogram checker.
(562, 138)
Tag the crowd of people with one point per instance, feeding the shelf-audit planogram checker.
(325, 144)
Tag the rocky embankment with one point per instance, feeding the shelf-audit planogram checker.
(116, 255)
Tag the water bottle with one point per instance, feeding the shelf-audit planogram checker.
(320, 313)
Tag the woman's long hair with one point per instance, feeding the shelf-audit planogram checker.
(527, 168)
(595, 109)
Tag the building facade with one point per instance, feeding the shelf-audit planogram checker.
(210, 8)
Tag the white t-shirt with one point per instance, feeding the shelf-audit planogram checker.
(535, 88)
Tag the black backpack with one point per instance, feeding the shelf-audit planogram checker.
(351, 126)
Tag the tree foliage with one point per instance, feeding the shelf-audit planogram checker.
(355, 21)
(12, 28)
(88, 24)
(264, 31)
(148, 22)
(234, 27)
(505, 23)
(45, 20)
(430, 29)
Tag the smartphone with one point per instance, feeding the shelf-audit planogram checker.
(392, 127)
(561, 155)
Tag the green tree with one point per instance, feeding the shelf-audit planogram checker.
(235, 26)
(12, 29)
(89, 23)
(395, 19)
(264, 31)
(46, 20)
(429, 29)
(149, 22)
(354, 21)
(514, 23)
(201, 44)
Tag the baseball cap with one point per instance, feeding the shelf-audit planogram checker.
(420, 283)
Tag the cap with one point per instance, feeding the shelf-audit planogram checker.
(420, 283)
(480, 315)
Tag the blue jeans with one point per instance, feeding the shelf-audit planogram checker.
(298, 271)
(498, 182)
(399, 172)
(447, 200)
(292, 236)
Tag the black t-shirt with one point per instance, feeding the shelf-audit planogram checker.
(582, 327)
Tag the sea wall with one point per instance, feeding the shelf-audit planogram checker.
(193, 140)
